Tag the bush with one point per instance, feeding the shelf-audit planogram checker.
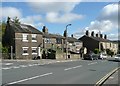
(96, 51)
(109, 52)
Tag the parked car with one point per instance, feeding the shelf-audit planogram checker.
(117, 57)
(91, 56)
(103, 56)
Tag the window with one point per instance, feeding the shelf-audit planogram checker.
(34, 38)
(47, 40)
(25, 51)
(58, 40)
(34, 50)
(25, 37)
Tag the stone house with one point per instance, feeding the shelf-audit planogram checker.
(24, 41)
(93, 41)
(74, 45)
(52, 41)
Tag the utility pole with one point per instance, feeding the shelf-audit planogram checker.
(11, 52)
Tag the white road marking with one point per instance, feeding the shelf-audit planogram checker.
(72, 67)
(30, 65)
(23, 66)
(92, 63)
(15, 67)
(23, 80)
(8, 63)
(6, 68)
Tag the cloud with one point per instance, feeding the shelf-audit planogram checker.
(65, 18)
(32, 20)
(103, 26)
(46, 7)
(113, 36)
(10, 11)
(110, 12)
(106, 22)
(56, 12)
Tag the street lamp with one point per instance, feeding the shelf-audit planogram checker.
(66, 40)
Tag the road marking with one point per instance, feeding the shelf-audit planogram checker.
(92, 63)
(8, 63)
(78, 66)
(72, 67)
(23, 80)
(6, 68)
(23, 66)
(102, 80)
(15, 67)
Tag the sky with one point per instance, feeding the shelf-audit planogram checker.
(93, 16)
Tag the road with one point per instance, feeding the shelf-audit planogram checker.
(56, 72)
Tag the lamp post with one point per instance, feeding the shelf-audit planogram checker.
(66, 41)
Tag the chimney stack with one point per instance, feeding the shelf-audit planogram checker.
(96, 35)
(105, 36)
(92, 33)
(87, 32)
(45, 30)
(72, 36)
(101, 36)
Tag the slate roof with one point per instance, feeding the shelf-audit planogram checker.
(49, 35)
(72, 39)
(95, 38)
(23, 28)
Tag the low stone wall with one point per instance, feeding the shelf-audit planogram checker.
(63, 56)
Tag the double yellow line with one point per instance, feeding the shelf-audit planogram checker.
(101, 81)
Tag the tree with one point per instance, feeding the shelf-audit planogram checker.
(16, 20)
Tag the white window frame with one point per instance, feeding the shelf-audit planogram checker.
(34, 48)
(25, 48)
(25, 37)
(34, 36)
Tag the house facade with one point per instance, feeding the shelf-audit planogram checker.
(52, 41)
(98, 41)
(24, 41)
(74, 45)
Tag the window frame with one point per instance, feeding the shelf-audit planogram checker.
(25, 37)
(25, 48)
(35, 37)
(34, 48)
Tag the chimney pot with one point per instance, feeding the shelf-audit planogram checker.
(101, 36)
(92, 33)
(87, 32)
(72, 36)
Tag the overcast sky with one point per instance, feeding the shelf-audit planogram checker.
(92, 16)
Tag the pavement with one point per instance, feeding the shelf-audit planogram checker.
(114, 79)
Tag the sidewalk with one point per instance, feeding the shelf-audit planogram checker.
(113, 80)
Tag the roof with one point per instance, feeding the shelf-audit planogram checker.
(49, 35)
(95, 38)
(72, 39)
(23, 28)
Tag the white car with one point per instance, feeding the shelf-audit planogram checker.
(117, 57)
(103, 56)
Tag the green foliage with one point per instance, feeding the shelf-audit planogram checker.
(2, 28)
(16, 20)
(109, 52)
(4, 50)
(96, 51)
